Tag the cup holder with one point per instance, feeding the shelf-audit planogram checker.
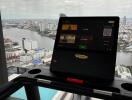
(127, 86)
(34, 71)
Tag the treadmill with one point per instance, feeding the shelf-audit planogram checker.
(79, 47)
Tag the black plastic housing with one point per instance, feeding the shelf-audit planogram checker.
(86, 52)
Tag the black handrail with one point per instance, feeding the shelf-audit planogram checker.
(31, 83)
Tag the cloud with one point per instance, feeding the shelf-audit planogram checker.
(52, 8)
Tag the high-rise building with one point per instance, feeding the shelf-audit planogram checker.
(29, 44)
(124, 20)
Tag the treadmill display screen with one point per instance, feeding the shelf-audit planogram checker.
(94, 35)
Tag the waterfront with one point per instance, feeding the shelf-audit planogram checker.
(16, 34)
(42, 53)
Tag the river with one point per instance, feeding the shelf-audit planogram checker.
(16, 34)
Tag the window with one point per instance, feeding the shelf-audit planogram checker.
(29, 28)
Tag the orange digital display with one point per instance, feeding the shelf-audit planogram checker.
(72, 27)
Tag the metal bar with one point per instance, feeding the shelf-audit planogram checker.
(18, 70)
(7, 89)
(3, 68)
(32, 92)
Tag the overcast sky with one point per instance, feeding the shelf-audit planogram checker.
(19, 9)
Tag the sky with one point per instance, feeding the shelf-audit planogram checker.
(41, 9)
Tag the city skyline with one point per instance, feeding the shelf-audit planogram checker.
(32, 9)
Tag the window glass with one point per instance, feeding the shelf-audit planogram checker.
(29, 28)
(45, 93)
(50, 94)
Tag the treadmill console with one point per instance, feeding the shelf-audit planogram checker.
(85, 47)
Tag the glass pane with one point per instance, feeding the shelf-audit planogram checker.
(50, 94)
(20, 94)
(46, 93)
(29, 28)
